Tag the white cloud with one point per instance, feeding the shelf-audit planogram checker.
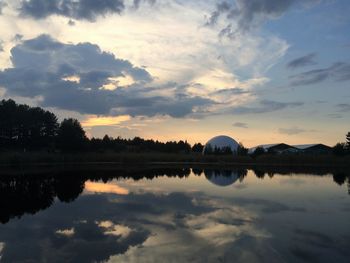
(222, 228)
(66, 232)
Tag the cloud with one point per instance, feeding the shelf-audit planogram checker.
(229, 92)
(291, 131)
(343, 107)
(105, 188)
(240, 125)
(246, 14)
(71, 22)
(93, 121)
(77, 9)
(2, 5)
(306, 60)
(222, 7)
(17, 38)
(334, 115)
(266, 106)
(339, 71)
(75, 76)
(137, 3)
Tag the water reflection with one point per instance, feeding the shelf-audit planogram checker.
(30, 193)
(197, 222)
(224, 177)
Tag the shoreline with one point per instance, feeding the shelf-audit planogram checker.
(15, 159)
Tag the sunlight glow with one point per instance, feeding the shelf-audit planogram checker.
(66, 232)
(73, 78)
(105, 188)
(104, 121)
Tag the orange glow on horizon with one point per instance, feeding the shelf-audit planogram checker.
(105, 188)
(104, 121)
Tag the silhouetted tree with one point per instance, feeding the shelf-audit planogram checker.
(71, 136)
(197, 148)
(340, 149)
(197, 171)
(258, 151)
(208, 149)
(339, 178)
(259, 173)
(68, 187)
(22, 126)
(348, 141)
(241, 150)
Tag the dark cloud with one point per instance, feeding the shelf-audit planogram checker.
(313, 240)
(2, 5)
(18, 37)
(266, 106)
(339, 71)
(343, 107)
(268, 206)
(77, 9)
(291, 131)
(72, 77)
(250, 13)
(233, 91)
(1, 46)
(306, 60)
(222, 7)
(178, 106)
(240, 125)
(71, 22)
(137, 3)
(335, 115)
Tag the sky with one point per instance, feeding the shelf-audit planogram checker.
(260, 71)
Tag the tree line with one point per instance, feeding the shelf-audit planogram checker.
(343, 148)
(32, 128)
(28, 128)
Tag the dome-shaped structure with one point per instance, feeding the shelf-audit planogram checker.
(221, 177)
(222, 144)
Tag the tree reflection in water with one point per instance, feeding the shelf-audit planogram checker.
(32, 192)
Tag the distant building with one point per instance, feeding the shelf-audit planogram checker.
(221, 144)
(282, 148)
(275, 148)
(314, 148)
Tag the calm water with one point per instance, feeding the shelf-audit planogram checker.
(174, 215)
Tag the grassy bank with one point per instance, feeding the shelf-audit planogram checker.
(16, 158)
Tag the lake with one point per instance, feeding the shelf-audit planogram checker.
(174, 214)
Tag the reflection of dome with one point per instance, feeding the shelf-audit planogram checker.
(221, 177)
(221, 142)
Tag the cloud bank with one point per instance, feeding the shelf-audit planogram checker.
(77, 9)
(266, 106)
(83, 78)
(243, 15)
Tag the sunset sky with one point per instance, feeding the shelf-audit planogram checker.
(260, 71)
